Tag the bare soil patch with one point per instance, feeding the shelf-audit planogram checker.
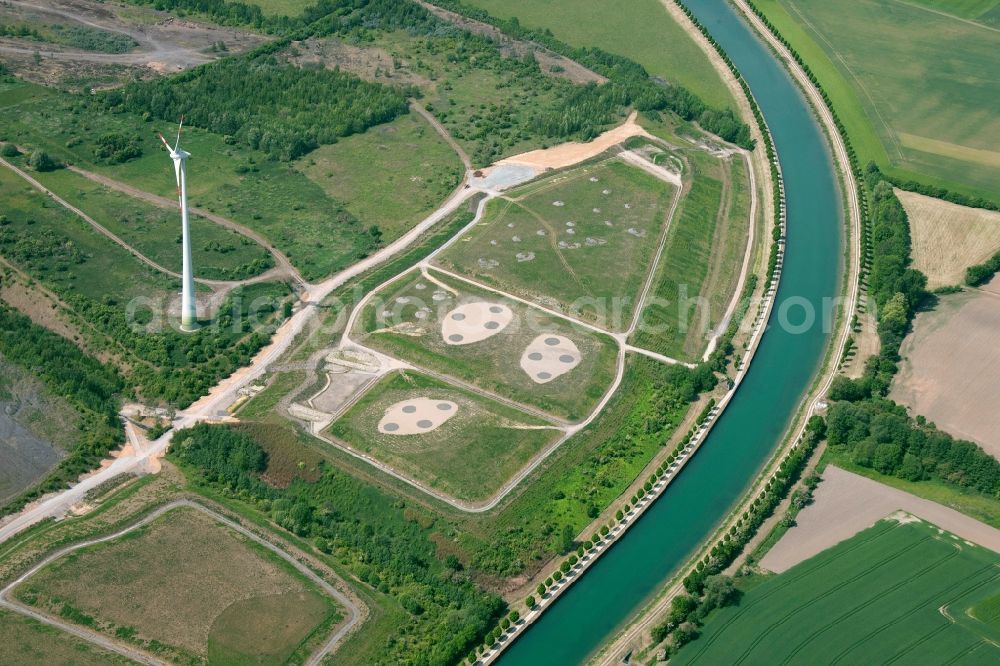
(846, 503)
(573, 152)
(950, 366)
(369, 62)
(948, 238)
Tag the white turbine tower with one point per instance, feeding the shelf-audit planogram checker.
(189, 311)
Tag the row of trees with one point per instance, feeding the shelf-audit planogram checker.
(368, 533)
(706, 588)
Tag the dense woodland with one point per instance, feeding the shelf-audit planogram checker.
(360, 528)
(92, 387)
(290, 111)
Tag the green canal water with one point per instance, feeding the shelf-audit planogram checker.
(616, 586)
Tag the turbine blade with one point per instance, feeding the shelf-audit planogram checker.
(165, 142)
(180, 126)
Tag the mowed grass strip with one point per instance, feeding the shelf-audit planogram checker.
(391, 176)
(188, 589)
(871, 599)
(639, 29)
(28, 641)
(216, 253)
(391, 324)
(581, 241)
(675, 320)
(912, 84)
(61, 250)
(470, 456)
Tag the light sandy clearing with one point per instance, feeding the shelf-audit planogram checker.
(847, 503)
(475, 322)
(950, 366)
(568, 154)
(416, 416)
(549, 356)
(948, 238)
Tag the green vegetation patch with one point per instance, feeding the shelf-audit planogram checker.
(638, 29)
(28, 641)
(894, 591)
(217, 592)
(60, 249)
(911, 85)
(682, 310)
(582, 240)
(405, 320)
(391, 176)
(316, 232)
(217, 253)
(470, 456)
(74, 35)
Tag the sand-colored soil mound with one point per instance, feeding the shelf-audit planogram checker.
(549, 356)
(475, 322)
(416, 416)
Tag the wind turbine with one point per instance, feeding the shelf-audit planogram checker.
(189, 312)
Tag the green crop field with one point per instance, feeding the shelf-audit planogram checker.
(911, 82)
(188, 589)
(470, 456)
(217, 253)
(582, 240)
(405, 321)
(391, 176)
(59, 249)
(639, 29)
(701, 260)
(895, 592)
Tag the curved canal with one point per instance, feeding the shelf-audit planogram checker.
(786, 362)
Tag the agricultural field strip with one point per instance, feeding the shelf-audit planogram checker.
(623, 643)
(100, 640)
(263, 277)
(745, 269)
(280, 259)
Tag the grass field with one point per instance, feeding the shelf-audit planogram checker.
(274, 198)
(469, 457)
(494, 363)
(60, 249)
(912, 83)
(188, 589)
(639, 29)
(896, 591)
(701, 260)
(588, 255)
(217, 253)
(27, 641)
(391, 176)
